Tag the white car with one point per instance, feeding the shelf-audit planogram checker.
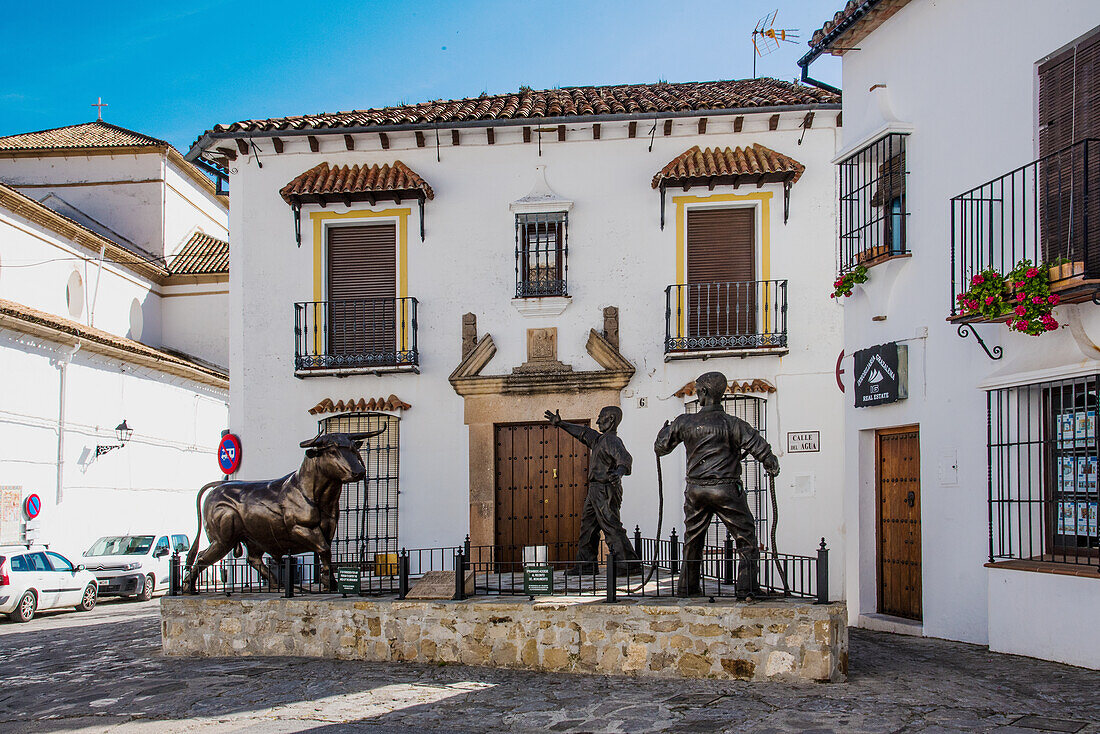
(134, 565)
(33, 578)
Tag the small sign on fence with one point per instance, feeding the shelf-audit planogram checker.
(348, 580)
(538, 580)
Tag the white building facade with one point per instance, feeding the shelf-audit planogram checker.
(113, 300)
(967, 154)
(455, 269)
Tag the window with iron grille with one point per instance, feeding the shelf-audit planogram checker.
(1043, 472)
(542, 246)
(872, 203)
(752, 410)
(366, 528)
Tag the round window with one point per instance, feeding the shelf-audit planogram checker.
(74, 295)
(137, 319)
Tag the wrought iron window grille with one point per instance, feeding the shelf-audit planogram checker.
(542, 250)
(873, 211)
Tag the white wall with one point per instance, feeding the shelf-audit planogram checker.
(618, 255)
(188, 207)
(195, 320)
(963, 74)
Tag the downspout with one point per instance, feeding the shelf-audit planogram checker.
(62, 368)
(98, 277)
(807, 79)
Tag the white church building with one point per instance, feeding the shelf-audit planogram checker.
(968, 190)
(452, 269)
(113, 304)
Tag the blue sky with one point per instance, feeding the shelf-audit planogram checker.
(172, 70)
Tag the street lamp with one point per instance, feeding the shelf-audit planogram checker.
(122, 432)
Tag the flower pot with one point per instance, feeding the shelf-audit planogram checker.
(1066, 271)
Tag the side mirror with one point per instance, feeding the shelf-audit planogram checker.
(80, 568)
(160, 553)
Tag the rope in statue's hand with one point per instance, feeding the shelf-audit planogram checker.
(775, 524)
(657, 541)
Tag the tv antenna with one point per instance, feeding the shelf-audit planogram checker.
(766, 37)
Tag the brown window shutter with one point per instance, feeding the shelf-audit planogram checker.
(1057, 126)
(362, 286)
(721, 272)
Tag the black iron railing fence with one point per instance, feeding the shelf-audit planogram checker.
(726, 315)
(1043, 460)
(873, 209)
(1047, 211)
(364, 333)
(484, 573)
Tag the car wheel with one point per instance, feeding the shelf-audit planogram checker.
(87, 602)
(24, 611)
(146, 589)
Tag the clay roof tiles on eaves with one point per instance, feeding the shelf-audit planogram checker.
(621, 99)
(201, 255)
(853, 22)
(324, 180)
(696, 165)
(97, 134)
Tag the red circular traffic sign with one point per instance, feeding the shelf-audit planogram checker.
(229, 453)
(32, 506)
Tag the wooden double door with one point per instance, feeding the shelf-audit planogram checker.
(541, 483)
(899, 528)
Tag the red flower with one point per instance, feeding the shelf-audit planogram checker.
(1053, 299)
(1032, 272)
(832, 295)
(977, 280)
(1050, 325)
(847, 293)
(1036, 300)
(1021, 296)
(1021, 325)
(1021, 310)
(989, 300)
(1019, 284)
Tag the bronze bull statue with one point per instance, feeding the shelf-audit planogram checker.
(294, 514)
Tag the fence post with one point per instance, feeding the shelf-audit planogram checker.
(460, 575)
(403, 574)
(288, 576)
(637, 541)
(822, 574)
(673, 553)
(466, 546)
(174, 575)
(612, 579)
(727, 560)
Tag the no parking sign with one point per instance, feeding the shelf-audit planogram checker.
(229, 453)
(32, 506)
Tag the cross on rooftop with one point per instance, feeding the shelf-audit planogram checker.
(100, 104)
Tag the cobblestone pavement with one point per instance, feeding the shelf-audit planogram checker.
(102, 671)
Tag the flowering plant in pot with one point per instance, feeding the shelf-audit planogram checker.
(844, 283)
(988, 295)
(1030, 299)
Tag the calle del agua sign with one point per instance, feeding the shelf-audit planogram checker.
(881, 374)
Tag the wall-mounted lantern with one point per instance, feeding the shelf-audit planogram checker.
(122, 432)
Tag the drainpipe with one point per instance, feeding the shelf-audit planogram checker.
(807, 79)
(62, 368)
(98, 277)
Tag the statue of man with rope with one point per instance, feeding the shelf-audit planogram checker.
(715, 443)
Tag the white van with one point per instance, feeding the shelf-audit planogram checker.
(134, 565)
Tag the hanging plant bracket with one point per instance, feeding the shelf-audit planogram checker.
(966, 330)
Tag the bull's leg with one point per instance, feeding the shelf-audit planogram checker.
(327, 575)
(315, 540)
(213, 553)
(256, 560)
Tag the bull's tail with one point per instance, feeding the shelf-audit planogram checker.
(194, 551)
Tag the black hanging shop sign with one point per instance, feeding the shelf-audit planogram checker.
(881, 374)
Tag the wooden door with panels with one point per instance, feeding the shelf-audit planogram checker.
(541, 483)
(721, 272)
(362, 288)
(897, 458)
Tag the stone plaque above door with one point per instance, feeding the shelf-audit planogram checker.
(542, 352)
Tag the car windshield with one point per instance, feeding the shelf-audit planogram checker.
(121, 545)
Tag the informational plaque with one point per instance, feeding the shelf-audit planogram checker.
(802, 442)
(538, 580)
(348, 580)
(11, 516)
(881, 374)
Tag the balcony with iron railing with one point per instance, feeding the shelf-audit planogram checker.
(1047, 212)
(368, 335)
(739, 317)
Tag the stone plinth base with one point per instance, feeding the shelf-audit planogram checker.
(673, 638)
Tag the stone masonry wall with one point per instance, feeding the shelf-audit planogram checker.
(666, 638)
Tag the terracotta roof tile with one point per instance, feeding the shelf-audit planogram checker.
(745, 386)
(392, 403)
(21, 317)
(202, 254)
(854, 21)
(323, 179)
(565, 102)
(696, 165)
(96, 134)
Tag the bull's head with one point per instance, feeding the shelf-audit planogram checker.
(337, 454)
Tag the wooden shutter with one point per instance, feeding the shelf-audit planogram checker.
(362, 288)
(721, 270)
(1069, 112)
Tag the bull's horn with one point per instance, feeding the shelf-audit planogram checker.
(311, 441)
(364, 436)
